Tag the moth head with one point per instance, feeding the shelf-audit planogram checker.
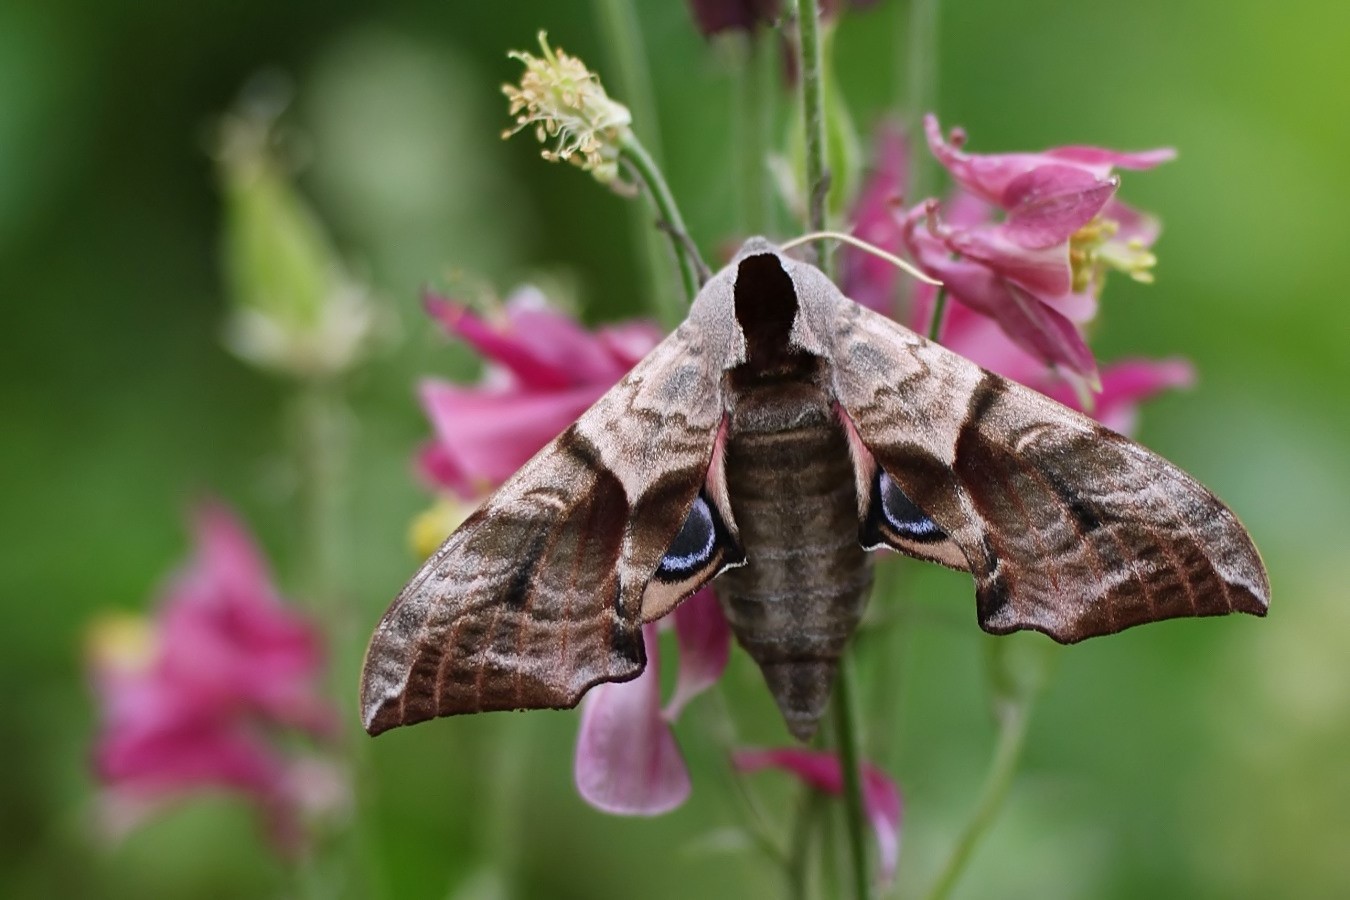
(765, 308)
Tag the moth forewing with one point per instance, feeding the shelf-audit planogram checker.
(1068, 527)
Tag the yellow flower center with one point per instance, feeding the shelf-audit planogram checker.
(433, 525)
(122, 643)
(1094, 248)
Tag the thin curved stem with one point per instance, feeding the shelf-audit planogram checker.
(1011, 739)
(855, 241)
(691, 265)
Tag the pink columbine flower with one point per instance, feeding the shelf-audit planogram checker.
(822, 771)
(199, 697)
(1037, 270)
(544, 370)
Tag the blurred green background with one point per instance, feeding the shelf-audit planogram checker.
(1188, 759)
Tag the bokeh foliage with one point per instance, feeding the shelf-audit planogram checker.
(1185, 759)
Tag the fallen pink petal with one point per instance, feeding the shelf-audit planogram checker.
(627, 761)
(822, 771)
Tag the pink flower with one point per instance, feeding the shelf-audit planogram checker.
(1037, 270)
(199, 697)
(1021, 287)
(822, 771)
(864, 277)
(544, 371)
(716, 16)
(627, 761)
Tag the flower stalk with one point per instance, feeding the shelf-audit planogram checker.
(846, 736)
(691, 265)
(813, 114)
(1012, 734)
(935, 321)
(817, 187)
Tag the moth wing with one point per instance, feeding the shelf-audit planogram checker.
(1067, 527)
(539, 595)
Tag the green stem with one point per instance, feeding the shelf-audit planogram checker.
(809, 810)
(921, 76)
(345, 860)
(1012, 735)
(752, 124)
(691, 264)
(813, 115)
(817, 186)
(935, 321)
(723, 730)
(321, 460)
(623, 43)
(846, 736)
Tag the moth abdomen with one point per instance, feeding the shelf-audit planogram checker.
(802, 592)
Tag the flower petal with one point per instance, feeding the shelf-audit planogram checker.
(715, 16)
(226, 556)
(705, 647)
(865, 278)
(1049, 203)
(1125, 385)
(627, 761)
(629, 342)
(484, 436)
(496, 344)
(989, 174)
(1043, 332)
(1132, 224)
(226, 637)
(1043, 271)
(822, 771)
(1099, 157)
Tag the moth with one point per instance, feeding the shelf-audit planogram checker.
(775, 438)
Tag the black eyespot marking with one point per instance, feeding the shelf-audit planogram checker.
(901, 515)
(695, 545)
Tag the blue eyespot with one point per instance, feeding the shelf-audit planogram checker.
(902, 516)
(694, 546)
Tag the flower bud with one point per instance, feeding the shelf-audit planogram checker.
(294, 308)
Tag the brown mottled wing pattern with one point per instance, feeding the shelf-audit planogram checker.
(537, 597)
(1068, 527)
